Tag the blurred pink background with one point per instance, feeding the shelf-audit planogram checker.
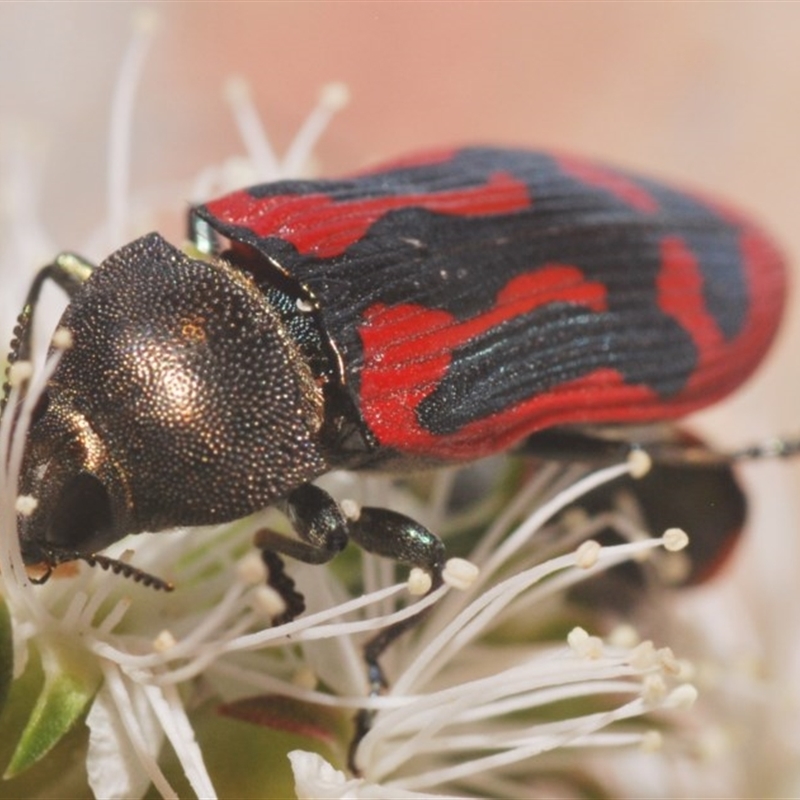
(705, 94)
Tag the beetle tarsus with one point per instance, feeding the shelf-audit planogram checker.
(277, 579)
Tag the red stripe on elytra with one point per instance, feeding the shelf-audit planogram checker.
(679, 289)
(319, 225)
(599, 396)
(408, 349)
(722, 364)
(611, 181)
(603, 395)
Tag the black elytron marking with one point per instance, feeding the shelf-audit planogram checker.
(564, 350)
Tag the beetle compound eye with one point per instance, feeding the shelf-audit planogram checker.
(83, 518)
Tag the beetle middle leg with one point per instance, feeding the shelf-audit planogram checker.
(392, 535)
(324, 530)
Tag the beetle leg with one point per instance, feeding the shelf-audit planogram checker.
(323, 531)
(575, 444)
(396, 536)
(67, 270)
(664, 445)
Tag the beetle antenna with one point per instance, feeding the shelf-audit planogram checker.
(695, 452)
(127, 571)
(769, 448)
(107, 563)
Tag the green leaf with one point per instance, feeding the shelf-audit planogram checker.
(6, 654)
(67, 691)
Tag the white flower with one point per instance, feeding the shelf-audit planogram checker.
(499, 692)
(454, 693)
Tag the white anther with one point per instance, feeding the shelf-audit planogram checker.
(267, 602)
(335, 96)
(587, 554)
(251, 569)
(639, 463)
(643, 656)
(675, 539)
(25, 505)
(585, 646)
(351, 509)
(460, 573)
(682, 697)
(62, 339)
(164, 641)
(419, 581)
(19, 372)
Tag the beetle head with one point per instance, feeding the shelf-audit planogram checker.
(182, 401)
(82, 503)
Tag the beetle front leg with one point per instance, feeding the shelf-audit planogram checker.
(323, 531)
(68, 271)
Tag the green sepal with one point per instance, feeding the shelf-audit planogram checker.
(68, 689)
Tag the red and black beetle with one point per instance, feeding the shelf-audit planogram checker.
(433, 311)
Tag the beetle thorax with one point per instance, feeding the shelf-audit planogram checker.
(186, 386)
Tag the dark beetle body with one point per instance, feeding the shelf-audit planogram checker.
(434, 311)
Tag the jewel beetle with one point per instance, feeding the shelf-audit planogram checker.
(432, 311)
